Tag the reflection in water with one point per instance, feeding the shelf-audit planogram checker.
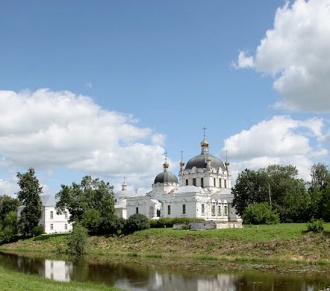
(134, 277)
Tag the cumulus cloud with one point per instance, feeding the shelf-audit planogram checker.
(45, 129)
(280, 140)
(296, 53)
(244, 61)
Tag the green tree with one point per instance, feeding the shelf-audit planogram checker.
(7, 204)
(319, 191)
(91, 202)
(9, 228)
(77, 240)
(29, 196)
(260, 213)
(279, 186)
(251, 187)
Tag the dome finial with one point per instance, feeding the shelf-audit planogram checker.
(123, 186)
(165, 165)
(227, 163)
(181, 164)
(204, 143)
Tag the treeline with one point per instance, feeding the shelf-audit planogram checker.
(91, 205)
(276, 194)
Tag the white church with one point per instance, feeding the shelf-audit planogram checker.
(202, 190)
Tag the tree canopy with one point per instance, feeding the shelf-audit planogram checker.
(319, 191)
(277, 185)
(91, 203)
(29, 196)
(7, 204)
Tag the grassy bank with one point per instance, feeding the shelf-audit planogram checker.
(11, 280)
(277, 243)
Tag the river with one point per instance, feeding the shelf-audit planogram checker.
(133, 276)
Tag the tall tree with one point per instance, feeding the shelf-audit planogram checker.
(288, 193)
(251, 187)
(319, 190)
(7, 204)
(91, 202)
(29, 196)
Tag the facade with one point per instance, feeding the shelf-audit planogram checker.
(52, 222)
(203, 190)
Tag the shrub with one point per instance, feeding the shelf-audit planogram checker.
(169, 222)
(112, 225)
(38, 230)
(260, 213)
(77, 240)
(315, 226)
(136, 222)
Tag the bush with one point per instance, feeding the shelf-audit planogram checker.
(260, 213)
(77, 240)
(169, 222)
(112, 225)
(136, 222)
(38, 230)
(315, 226)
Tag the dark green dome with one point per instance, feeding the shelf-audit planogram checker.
(166, 177)
(200, 163)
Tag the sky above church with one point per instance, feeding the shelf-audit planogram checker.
(106, 88)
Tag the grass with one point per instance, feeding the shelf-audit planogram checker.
(11, 280)
(269, 243)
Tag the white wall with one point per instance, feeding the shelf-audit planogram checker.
(53, 222)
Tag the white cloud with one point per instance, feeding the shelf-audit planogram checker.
(8, 187)
(45, 129)
(296, 52)
(244, 61)
(280, 140)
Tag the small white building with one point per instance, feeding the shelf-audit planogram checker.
(203, 190)
(52, 222)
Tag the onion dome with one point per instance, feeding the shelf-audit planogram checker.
(166, 177)
(201, 162)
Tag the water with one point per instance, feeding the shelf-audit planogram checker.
(133, 276)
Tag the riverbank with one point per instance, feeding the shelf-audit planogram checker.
(282, 243)
(11, 280)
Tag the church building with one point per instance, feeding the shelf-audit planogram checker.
(201, 190)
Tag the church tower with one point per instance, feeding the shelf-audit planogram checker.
(205, 170)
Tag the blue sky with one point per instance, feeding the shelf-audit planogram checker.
(104, 88)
